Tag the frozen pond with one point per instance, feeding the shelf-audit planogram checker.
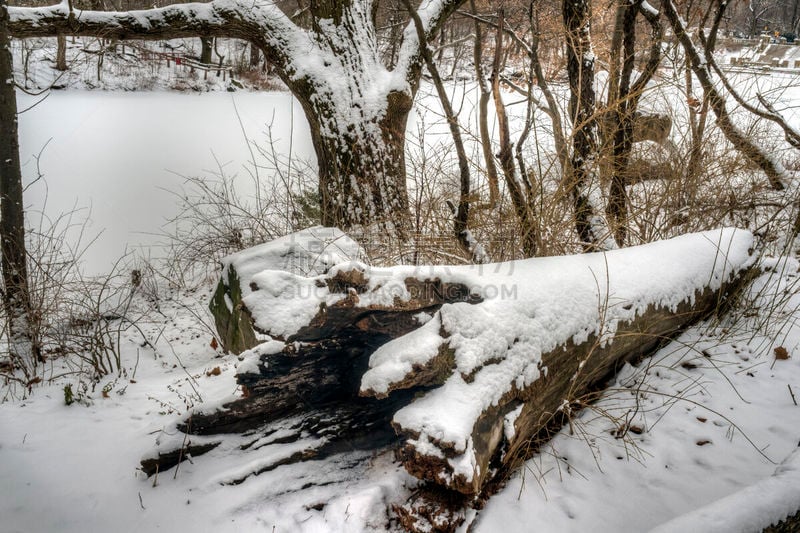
(116, 155)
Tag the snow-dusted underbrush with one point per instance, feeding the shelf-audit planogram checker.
(216, 219)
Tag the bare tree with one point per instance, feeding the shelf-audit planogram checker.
(483, 111)
(23, 348)
(699, 65)
(519, 188)
(461, 211)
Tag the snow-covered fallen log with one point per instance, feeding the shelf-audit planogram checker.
(469, 363)
(309, 252)
(328, 312)
(546, 331)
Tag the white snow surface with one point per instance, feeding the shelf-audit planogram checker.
(83, 459)
(286, 272)
(531, 307)
(776, 498)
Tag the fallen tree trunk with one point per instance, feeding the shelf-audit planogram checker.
(571, 370)
(466, 364)
(503, 434)
(510, 368)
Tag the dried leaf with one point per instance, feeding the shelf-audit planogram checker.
(781, 353)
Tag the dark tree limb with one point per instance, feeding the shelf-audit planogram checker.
(582, 180)
(461, 220)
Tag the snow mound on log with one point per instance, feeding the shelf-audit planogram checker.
(278, 279)
(531, 307)
(309, 252)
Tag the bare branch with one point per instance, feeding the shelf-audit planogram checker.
(260, 22)
(431, 14)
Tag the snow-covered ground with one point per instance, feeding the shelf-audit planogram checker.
(714, 416)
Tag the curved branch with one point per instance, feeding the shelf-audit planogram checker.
(775, 172)
(260, 22)
(791, 134)
(432, 15)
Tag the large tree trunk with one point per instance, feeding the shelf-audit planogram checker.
(61, 52)
(357, 125)
(16, 296)
(361, 156)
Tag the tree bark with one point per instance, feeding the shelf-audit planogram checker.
(362, 179)
(575, 373)
(322, 364)
(24, 348)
